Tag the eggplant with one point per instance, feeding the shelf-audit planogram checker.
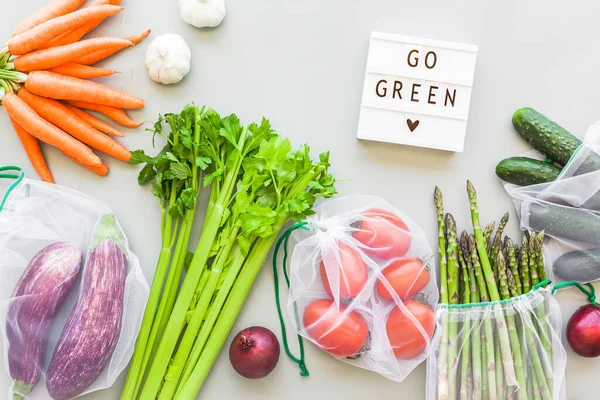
(36, 299)
(92, 331)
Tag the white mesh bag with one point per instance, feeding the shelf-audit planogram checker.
(568, 211)
(362, 287)
(65, 264)
(483, 369)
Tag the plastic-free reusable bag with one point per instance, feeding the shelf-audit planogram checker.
(34, 215)
(362, 287)
(568, 210)
(480, 371)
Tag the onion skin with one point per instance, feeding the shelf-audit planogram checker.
(583, 331)
(254, 352)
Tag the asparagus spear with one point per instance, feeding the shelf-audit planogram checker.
(497, 244)
(542, 375)
(500, 385)
(525, 265)
(512, 330)
(540, 257)
(503, 337)
(476, 331)
(532, 259)
(465, 339)
(443, 352)
(487, 336)
(512, 286)
(454, 298)
(487, 234)
(512, 262)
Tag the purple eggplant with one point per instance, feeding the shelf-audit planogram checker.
(36, 299)
(92, 331)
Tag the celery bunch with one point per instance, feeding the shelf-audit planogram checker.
(258, 183)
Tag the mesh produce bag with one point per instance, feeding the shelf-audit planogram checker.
(568, 211)
(508, 349)
(362, 287)
(59, 247)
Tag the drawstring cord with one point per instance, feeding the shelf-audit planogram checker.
(284, 239)
(590, 292)
(18, 178)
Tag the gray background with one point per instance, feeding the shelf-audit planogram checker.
(301, 64)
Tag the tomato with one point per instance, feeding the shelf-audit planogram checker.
(384, 234)
(339, 334)
(406, 339)
(407, 277)
(352, 272)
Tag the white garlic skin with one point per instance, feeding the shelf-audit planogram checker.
(203, 13)
(168, 59)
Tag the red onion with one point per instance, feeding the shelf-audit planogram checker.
(583, 331)
(254, 352)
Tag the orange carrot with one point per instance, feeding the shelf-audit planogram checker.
(51, 10)
(29, 120)
(75, 35)
(59, 115)
(101, 170)
(81, 71)
(94, 122)
(116, 114)
(34, 153)
(103, 54)
(36, 37)
(49, 58)
(60, 87)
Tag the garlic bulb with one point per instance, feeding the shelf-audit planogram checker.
(203, 13)
(168, 59)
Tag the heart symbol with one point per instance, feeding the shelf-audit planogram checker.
(412, 125)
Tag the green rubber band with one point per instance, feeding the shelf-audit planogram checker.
(18, 178)
(489, 303)
(591, 293)
(284, 239)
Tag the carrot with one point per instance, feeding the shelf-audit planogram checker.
(116, 114)
(34, 153)
(59, 115)
(51, 10)
(75, 35)
(81, 71)
(36, 37)
(60, 87)
(49, 58)
(101, 170)
(29, 120)
(94, 122)
(103, 54)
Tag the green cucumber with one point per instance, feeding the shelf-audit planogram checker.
(525, 171)
(576, 224)
(545, 136)
(579, 265)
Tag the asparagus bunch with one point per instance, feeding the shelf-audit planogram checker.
(494, 352)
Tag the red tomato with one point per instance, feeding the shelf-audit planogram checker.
(407, 277)
(352, 272)
(384, 234)
(339, 334)
(405, 338)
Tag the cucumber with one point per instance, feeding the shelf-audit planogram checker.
(579, 265)
(525, 171)
(545, 136)
(562, 222)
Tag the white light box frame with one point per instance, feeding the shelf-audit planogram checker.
(417, 92)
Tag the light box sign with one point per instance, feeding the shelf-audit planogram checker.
(417, 92)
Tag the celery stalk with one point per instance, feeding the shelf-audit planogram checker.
(213, 313)
(177, 319)
(231, 310)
